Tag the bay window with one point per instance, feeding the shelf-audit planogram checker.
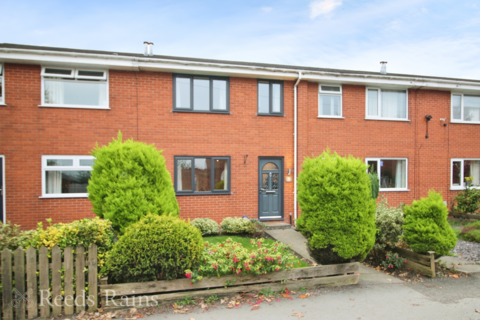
(66, 176)
(202, 175)
(74, 88)
(392, 172)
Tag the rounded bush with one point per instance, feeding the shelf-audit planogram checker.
(338, 212)
(426, 227)
(129, 180)
(236, 225)
(206, 226)
(154, 248)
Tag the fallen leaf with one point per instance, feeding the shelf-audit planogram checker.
(286, 295)
(175, 305)
(286, 291)
(389, 279)
(302, 296)
(139, 315)
(256, 307)
(455, 276)
(477, 311)
(81, 314)
(298, 314)
(180, 311)
(192, 319)
(352, 299)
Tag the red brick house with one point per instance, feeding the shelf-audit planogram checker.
(230, 131)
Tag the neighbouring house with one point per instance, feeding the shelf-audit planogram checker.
(234, 134)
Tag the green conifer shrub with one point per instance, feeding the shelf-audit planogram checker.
(338, 212)
(154, 248)
(375, 183)
(426, 227)
(129, 180)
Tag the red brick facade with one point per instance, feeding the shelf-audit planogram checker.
(141, 107)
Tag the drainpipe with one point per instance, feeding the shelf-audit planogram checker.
(295, 143)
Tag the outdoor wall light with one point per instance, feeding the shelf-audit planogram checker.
(288, 178)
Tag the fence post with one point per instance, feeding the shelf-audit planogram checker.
(56, 281)
(19, 263)
(32, 288)
(44, 282)
(7, 284)
(68, 266)
(92, 279)
(432, 263)
(80, 278)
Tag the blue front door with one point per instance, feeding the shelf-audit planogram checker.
(270, 180)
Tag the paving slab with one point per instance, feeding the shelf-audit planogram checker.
(460, 264)
(296, 241)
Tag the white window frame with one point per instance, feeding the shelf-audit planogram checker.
(330, 93)
(378, 159)
(2, 76)
(462, 173)
(74, 75)
(379, 117)
(461, 110)
(75, 167)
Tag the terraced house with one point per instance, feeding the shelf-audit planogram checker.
(234, 134)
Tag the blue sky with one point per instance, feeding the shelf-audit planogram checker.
(425, 37)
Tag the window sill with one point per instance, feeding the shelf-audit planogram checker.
(72, 107)
(3, 105)
(394, 190)
(388, 119)
(203, 194)
(60, 196)
(192, 111)
(465, 122)
(462, 188)
(270, 115)
(327, 117)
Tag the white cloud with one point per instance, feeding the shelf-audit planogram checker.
(424, 10)
(266, 9)
(322, 7)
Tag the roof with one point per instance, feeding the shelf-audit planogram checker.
(220, 62)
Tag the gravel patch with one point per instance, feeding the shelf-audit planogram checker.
(467, 250)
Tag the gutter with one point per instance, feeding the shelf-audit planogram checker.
(120, 61)
(295, 145)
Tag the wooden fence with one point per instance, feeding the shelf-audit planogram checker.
(143, 294)
(43, 283)
(425, 264)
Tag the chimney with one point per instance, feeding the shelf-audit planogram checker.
(148, 48)
(383, 67)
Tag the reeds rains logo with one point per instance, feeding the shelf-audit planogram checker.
(46, 298)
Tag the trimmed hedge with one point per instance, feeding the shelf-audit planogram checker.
(236, 225)
(338, 212)
(154, 248)
(426, 227)
(129, 180)
(206, 226)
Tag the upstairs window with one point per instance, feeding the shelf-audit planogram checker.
(330, 101)
(202, 175)
(66, 176)
(270, 97)
(74, 88)
(2, 99)
(463, 169)
(392, 173)
(465, 108)
(385, 104)
(201, 94)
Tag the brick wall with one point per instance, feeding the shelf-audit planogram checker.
(29, 131)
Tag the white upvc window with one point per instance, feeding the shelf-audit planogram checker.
(464, 168)
(386, 104)
(2, 85)
(392, 172)
(329, 101)
(66, 176)
(465, 108)
(74, 88)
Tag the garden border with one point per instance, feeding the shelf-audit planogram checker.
(425, 264)
(134, 294)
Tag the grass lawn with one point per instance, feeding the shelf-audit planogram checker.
(458, 225)
(245, 242)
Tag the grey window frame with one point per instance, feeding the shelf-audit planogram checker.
(212, 177)
(270, 83)
(210, 78)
